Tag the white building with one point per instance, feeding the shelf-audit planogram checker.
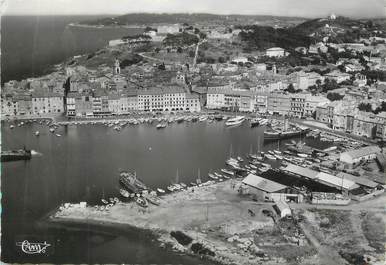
(48, 103)
(168, 29)
(357, 155)
(241, 100)
(275, 52)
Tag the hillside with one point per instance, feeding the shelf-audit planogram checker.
(339, 30)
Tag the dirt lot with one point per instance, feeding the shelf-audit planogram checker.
(348, 236)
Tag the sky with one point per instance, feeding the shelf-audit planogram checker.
(302, 8)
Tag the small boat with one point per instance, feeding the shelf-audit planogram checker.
(240, 159)
(203, 118)
(170, 188)
(37, 133)
(124, 193)
(279, 156)
(269, 156)
(218, 175)
(141, 202)
(104, 201)
(58, 135)
(153, 200)
(235, 121)
(277, 152)
(302, 155)
(183, 185)
(11, 126)
(210, 175)
(193, 184)
(226, 171)
(161, 125)
(52, 130)
(225, 177)
(254, 122)
(160, 190)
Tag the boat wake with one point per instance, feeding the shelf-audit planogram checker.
(35, 153)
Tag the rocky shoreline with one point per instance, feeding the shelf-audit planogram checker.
(202, 222)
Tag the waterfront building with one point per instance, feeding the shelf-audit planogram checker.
(193, 103)
(43, 103)
(170, 98)
(70, 104)
(84, 104)
(231, 99)
(279, 103)
(361, 154)
(275, 52)
(114, 103)
(9, 106)
(312, 102)
(297, 104)
(100, 103)
(262, 189)
(325, 113)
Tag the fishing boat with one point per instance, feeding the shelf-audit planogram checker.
(58, 135)
(264, 121)
(203, 118)
(183, 185)
(219, 117)
(254, 122)
(269, 156)
(226, 171)
(124, 193)
(210, 175)
(238, 120)
(302, 155)
(218, 174)
(141, 202)
(130, 182)
(161, 125)
(104, 201)
(52, 130)
(240, 159)
(14, 155)
(193, 184)
(160, 190)
(170, 188)
(279, 157)
(37, 133)
(285, 133)
(153, 200)
(11, 126)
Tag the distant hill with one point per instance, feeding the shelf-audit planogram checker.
(154, 18)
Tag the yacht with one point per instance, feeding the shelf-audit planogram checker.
(235, 121)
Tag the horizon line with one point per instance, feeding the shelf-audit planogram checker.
(187, 13)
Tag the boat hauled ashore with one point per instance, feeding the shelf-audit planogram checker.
(130, 182)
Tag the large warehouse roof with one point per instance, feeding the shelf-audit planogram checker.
(321, 177)
(359, 180)
(336, 181)
(364, 151)
(302, 171)
(263, 184)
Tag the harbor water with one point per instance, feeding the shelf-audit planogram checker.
(83, 164)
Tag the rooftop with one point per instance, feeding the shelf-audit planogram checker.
(364, 151)
(263, 184)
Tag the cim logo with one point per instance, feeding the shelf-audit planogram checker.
(33, 247)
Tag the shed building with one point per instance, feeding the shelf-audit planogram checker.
(361, 154)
